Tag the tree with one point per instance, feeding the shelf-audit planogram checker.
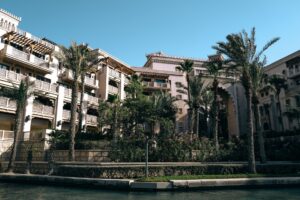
(187, 67)
(258, 80)
(76, 58)
(214, 68)
(241, 53)
(21, 95)
(207, 104)
(135, 87)
(197, 91)
(90, 65)
(278, 84)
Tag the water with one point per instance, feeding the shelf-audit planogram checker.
(9, 191)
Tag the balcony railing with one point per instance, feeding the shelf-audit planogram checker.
(28, 59)
(8, 103)
(114, 73)
(91, 119)
(45, 86)
(113, 90)
(156, 85)
(67, 115)
(15, 77)
(41, 109)
(68, 74)
(93, 99)
(4, 134)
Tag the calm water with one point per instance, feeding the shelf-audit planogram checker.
(10, 191)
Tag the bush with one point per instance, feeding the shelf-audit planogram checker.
(178, 149)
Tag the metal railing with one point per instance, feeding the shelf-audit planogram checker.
(45, 86)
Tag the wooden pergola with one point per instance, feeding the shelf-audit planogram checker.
(33, 44)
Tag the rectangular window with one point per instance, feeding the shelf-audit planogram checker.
(179, 96)
(178, 84)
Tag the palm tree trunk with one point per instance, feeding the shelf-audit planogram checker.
(216, 115)
(259, 132)
(75, 88)
(251, 155)
(280, 112)
(197, 122)
(20, 112)
(190, 111)
(80, 123)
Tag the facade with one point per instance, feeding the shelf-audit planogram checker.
(287, 67)
(160, 73)
(23, 54)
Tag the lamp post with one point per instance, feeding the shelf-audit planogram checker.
(147, 150)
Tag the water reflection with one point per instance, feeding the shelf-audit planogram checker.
(10, 191)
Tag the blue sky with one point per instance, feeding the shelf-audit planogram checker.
(129, 29)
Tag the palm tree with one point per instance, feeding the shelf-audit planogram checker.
(76, 58)
(135, 86)
(187, 67)
(207, 98)
(214, 68)
(258, 79)
(197, 91)
(278, 84)
(241, 53)
(90, 66)
(21, 95)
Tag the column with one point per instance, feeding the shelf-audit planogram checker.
(59, 108)
(28, 118)
(85, 108)
(122, 92)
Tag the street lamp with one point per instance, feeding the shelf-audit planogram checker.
(154, 145)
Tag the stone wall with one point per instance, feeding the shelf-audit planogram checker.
(20, 167)
(83, 155)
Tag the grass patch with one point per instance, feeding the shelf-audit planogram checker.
(219, 176)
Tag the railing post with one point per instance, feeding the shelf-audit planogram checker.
(2, 135)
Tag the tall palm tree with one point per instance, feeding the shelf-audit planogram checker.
(21, 95)
(90, 66)
(76, 58)
(135, 86)
(241, 53)
(187, 68)
(214, 67)
(278, 84)
(207, 98)
(258, 80)
(197, 92)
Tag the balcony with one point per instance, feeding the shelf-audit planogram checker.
(156, 85)
(91, 120)
(221, 74)
(113, 90)
(43, 110)
(4, 134)
(92, 99)
(8, 105)
(67, 115)
(11, 76)
(24, 58)
(91, 82)
(114, 74)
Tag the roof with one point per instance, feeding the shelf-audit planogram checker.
(147, 70)
(163, 55)
(283, 60)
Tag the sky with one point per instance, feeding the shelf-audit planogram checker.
(130, 29)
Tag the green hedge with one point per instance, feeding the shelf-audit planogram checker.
(137, 172)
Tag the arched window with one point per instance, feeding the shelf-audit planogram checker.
(13, 27)
(8, 27)
(1, 22)
(5, 24)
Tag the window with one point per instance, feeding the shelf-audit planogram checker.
(262, 94)
(3, 66)
(283, 72)
(179, 110)
(261, 110)
(178, 84)
(288, 102)
(297, 68)
(179, 96)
